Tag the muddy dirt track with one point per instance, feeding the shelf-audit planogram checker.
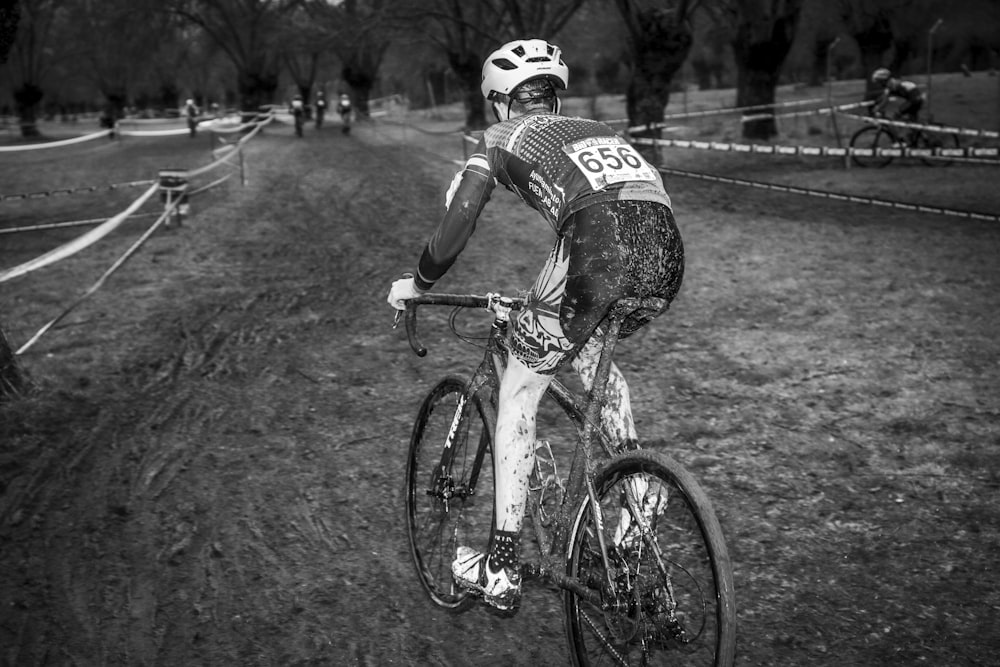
(211, 472)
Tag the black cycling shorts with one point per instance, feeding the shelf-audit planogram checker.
(604, 252)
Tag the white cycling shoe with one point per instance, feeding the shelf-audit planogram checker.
(471, 571)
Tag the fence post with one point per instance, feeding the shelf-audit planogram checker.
(829, 88)
(930, 56)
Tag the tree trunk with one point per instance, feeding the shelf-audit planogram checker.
(660, 44)
(361, 82)
(468, 69)
(27, 97)
(756, 88)
(764, 34)
(256, 87)
(874, 38)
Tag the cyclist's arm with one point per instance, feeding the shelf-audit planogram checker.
(467, 196)
(879, 106)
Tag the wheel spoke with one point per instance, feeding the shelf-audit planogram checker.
(672, 599)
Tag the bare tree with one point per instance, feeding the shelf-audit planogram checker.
(10, 12)
(302, 49)
(466, 31)
(360, 32)
(762, 35)
(115, 44)
(659, 40)
(869, 22)
(31, 57)
(248, 32)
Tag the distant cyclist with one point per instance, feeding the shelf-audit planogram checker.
(298, 111)
(613, 236)
(910, 96)
(344, 109)
(320, 109)
(191, 113)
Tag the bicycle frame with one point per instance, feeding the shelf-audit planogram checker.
(481, 393)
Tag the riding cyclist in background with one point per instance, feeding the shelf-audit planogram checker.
(907, 91)
(344, 109)
(614, 237)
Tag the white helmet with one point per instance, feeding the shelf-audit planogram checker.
(881, 75)
(522, 60)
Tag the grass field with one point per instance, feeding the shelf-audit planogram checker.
(209, 470)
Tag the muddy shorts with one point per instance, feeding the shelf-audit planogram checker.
(605, 252)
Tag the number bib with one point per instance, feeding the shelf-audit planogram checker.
(607, 160)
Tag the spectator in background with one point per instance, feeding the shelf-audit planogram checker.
(191, 113)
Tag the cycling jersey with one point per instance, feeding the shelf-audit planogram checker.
(556, 164)
(906, 90)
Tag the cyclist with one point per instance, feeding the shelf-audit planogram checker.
(614, 237)
(344, 109)
(191, 113)
(320, 109)
(907, 91)
(298, 111)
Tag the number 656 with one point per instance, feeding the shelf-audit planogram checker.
(609, 157)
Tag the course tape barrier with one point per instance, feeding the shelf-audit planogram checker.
(73, 191)
(103, 230)
(79, 243)
(92, 236)
(947, 129)
(219, 126)
(922, 208)
(825, 151)
(60, 225)
(765, 109)
(808, 112)
(56, 144)
(168, 211)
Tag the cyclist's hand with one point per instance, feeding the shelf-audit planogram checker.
(401, 290)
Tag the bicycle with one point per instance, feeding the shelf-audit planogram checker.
(635, 591)
(887, 143)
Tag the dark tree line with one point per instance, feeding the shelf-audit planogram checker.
(127, 50)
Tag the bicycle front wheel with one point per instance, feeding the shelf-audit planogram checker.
(449, 488)
(670, 597)
(874, 138)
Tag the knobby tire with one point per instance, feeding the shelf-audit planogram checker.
(449, 491)
(636, 627)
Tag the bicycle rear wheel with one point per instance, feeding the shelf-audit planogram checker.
(449, 489)
(673, 602)
(937, 140)
(875, 138)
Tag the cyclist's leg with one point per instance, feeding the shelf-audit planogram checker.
(520, 391)
(538, 347)
(616, 415)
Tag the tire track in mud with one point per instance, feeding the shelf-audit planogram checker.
(239, 497)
